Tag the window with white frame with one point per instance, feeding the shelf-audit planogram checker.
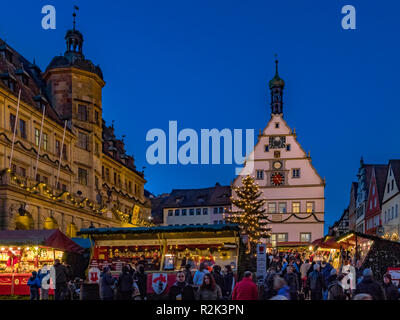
(271, 207)
(295, 207)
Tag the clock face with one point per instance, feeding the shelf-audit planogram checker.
(277, 179)
(277, 165)
(277, 142)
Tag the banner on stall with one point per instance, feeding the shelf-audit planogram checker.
(395, 273)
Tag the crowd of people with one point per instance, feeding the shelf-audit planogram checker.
(290, 276)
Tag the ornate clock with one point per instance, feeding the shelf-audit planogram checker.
(277, 179)
(277, 165)
(277, 142)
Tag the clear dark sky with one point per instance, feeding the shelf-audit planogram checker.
(206, 64)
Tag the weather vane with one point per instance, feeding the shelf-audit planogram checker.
(74, 14)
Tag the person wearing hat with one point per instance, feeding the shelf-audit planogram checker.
(107, 283)
(34, 285)
(370, 286)
(390, 289)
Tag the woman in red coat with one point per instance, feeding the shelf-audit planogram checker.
(245, 289)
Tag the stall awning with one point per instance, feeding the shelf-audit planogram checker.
(53, 238)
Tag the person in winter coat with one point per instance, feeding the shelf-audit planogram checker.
(188, 273)
(199, 275)
(391, 291)
(181, 290)
(44, 271)
(61, 280)
(229, 282)
(209, 290)
(125, 284)
(141, 280)
(281, 287)
(107, 283)
(370, 286)
(316, 283)
(293, 283)
(303, 274)
(34, 285)
(245, 289)
(335, 289)
(269, 290)
(218, 277)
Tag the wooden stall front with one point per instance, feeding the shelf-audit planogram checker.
(23, 251)
(165, 249)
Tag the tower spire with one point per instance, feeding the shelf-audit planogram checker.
(276, 86)
(74, 15)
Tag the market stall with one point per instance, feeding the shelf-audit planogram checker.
(22, 251)
(163, 250)
(373, 252)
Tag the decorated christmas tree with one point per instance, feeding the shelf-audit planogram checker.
(250, 216)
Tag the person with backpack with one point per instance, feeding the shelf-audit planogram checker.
(125, 284)
(335, 289)
(316, 283)
(34, 285)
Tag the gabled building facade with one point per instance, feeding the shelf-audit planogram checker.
(292, 188)
(391, 202)
(374, 201)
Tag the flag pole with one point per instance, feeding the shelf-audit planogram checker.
(61, 152)
(40, 142)
(15, 128)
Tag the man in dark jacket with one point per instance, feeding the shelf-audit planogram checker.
(229, 281)
(391, 291)
(141, 280)
(316, 283)
(218, 277)
(293, 282)
(125, 284)
(269, 290)
(61, 280)
(188, 273)
(107, 285)
(181, 290)
(370, 286)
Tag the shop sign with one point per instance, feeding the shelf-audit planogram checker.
(395, 273)
(159, 282)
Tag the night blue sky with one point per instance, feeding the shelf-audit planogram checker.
(206, 64)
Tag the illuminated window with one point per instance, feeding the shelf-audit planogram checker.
(296, 207)
(310, 207)
(45, 141)
(37, 136)
(305, 237)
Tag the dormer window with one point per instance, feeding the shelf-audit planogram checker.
(8, 80)
(276, 125)
(7, 52)
(23, 75)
